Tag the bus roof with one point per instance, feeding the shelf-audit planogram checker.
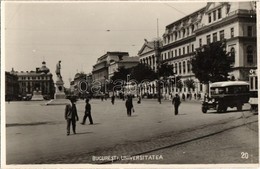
(229, 83)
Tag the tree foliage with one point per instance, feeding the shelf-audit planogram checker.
(190, 83)
(121, 74)
(166, 70)
(141, 72)
(211, 63)
(179, 84)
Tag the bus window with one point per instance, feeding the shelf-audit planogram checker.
(256, 87)
(251, 83)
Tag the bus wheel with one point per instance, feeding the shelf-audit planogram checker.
(224, 109)
(204, 109)
(239, 107)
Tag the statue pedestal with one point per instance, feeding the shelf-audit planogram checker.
(59, 93)
(37, 96)
(59, 96)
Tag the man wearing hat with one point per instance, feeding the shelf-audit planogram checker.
(71, 115)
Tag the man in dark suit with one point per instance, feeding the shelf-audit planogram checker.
(176, 102)
(87, 113)
(129, 105)
(71, 116)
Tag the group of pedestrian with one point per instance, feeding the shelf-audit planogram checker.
(71, 115)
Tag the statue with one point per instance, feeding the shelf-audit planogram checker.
(58, 67)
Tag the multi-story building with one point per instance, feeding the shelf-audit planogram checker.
(147, 54)
(107, 64)
(39, 80)
(127, 62)
(233, 21)
(11, 86)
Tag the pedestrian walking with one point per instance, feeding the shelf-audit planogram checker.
(129, 105)
(113, 99)
(176, 102)
(71, 115)
(87, 113)
(183, 96)
(139, 100)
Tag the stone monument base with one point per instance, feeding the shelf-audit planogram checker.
(37, 96)
(58, 102)
(59, 96)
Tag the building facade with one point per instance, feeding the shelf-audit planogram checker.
(11, 86)
(234, 22)
(107, 64)
(38, 80)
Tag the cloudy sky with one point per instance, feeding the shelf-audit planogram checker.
(79, 32)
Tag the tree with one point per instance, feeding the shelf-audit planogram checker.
(141, 72)
(211, 63)
(166, 70)
(190, 83)
(121, 74)
(179, 84)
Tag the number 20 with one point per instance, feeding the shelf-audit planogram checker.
(244, 155)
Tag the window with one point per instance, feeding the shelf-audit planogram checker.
(172, 53)
(183, 33)
(179, 51)
(188, 49)
(249, 54)
(188, 31)
(208, 39)
(215, 37)
(192, 48)
(219, 13)
(184, 67)
(214, 15)
(200, 42)
(183, 50)
(249, 31)
(192, 28)
(179, 34)
(176, 35)
(176, 66)
(209, 15)
(176, 52)
(232, 55)
(169, 54)
(188, 66)
(179, 67)
(221, 35)
(232, 32)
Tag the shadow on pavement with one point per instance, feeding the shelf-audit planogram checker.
(229, 111)
(83, 133)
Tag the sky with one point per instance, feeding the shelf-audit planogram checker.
(77, 33)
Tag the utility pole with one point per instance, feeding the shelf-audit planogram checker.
(158, 61)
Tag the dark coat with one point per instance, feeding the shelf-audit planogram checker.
(71, 112)
(88, 108)
(176, 101)
(129, 104)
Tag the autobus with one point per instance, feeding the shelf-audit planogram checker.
(253, 89)
(227, 94)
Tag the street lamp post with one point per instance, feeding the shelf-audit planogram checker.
(127, 83)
